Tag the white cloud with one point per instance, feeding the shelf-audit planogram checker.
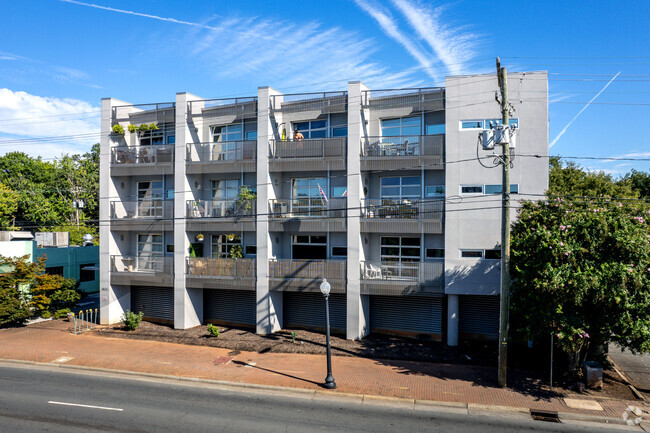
(45, 126)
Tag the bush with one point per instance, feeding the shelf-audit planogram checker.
(46, 314)
(118, 129)
(132, 128)
(132, 320)
(213, 330)
(61, 313)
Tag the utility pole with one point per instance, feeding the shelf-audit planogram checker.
(505, 227)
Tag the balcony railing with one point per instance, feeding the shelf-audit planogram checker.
(402, 145)
(308, 207)
(142, 209)
(402, 208)
(221, 268)
(228, 208)
(224, 151)
(428, 273)
(155, 154)
(313, 270)
(332, 147)
(142, 264)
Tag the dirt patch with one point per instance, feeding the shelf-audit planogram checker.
(528, 371)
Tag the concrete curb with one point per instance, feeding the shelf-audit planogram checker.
(326, 395)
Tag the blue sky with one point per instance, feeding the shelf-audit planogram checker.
(59, 58)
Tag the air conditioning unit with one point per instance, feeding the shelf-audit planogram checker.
(487, 139)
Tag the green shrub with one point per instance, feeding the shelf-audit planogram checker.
(213, 330)
(118, 129)
(46, 314)
(294, 334)
(132, 320)
(61, 313)
(153, 126)
(132, 128)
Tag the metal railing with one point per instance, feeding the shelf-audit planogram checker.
(161, 112)
(246, 106)
(228, 208)
(222, 152)
(402, 208)
(153, 154)
(333, 270)
(325, 102)
(402, 145)
(419, 99)
(308, 207)
(142, 264)
(331, 147)
(222, 268)
(429, 273)
(158, 208)
(84, 321)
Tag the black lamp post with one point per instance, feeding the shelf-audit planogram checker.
(325, 290)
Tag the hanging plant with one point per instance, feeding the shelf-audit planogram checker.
(118, 129)
(199, 237)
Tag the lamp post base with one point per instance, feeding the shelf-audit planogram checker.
(329, 383)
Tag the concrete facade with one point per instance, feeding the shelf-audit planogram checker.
(370, 199)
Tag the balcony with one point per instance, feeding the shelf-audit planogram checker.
(222, 157)
(402, 278)
(402, 102)
(222, 273)
(286, 275)
(128, 160)
(308, 214)
(402, 152)
(227, 214)
(138, 214)
(142, 270)
(310, 104)
(308, 154)
(402, 216)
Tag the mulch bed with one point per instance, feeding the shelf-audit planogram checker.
(526, 368)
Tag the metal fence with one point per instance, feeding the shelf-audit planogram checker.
(308, 207)
(157, 208)
(227, 208)
(151, 154)
(402, 145)
(331, 147)
(145, 264)
(325, 102)
(333, 270)
(428, 273)
(402, 208)
(224, 268)
(222, 151)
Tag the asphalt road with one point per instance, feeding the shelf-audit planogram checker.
(36, 399)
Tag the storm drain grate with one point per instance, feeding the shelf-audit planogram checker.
(544, 415)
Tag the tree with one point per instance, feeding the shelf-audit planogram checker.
(640, 182)
(581, 270)
(570, 179)
(8, 206)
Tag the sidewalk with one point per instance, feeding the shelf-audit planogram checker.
(52, 342)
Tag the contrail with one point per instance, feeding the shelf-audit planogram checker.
(580, 112)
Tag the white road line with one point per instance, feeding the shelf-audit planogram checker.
(86, 405)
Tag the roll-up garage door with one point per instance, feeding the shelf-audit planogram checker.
(406, 314)
(229, 307)
(157, 303)
(307, 310)
(478, 316)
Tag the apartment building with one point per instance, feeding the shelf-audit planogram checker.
(211, 210)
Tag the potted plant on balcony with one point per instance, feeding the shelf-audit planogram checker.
(118, 129)
(236, 252)
(132, 128)
(199, 237)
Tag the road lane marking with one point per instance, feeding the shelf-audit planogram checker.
(86, 405)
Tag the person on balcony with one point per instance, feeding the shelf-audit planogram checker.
(297, 136)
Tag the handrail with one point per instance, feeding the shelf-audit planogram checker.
(328, 147)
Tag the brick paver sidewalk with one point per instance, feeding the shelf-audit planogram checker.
(48, 341)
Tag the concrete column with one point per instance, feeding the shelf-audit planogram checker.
(269, 304)
(114, 300)
(358, 306)
(452, 320)
(188, 303)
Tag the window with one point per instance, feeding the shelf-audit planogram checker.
(222, 245)
(54, 270)
(435, 129)
(339, 191)
(339, 131)
(251, 250)
(471, 189)
(339, 251)
(398, 188)
(227, 133)
(312, 128)
(401, 126)
(471, 124)
(150, 196)
(307, 198)
(227, 141)
(400, 256)
(471, 254)
(493, 254)
(150, 251)
(496, 189)
(225, 189)
(251, 135)
(86, 274)
(435, 253)
(435, 190)
(485, 123)
(163, 135)
(309, 247)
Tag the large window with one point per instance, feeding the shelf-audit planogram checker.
(150, 198)
(401, 126)
(227, 140)
(223, 244)
(400, 256)
(307, 198)
(308, 247)
(225, 189)
(312, 128)
(150, 252)
(86, 274)
(163, 135)
(400, 187)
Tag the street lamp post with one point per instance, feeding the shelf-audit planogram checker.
(325, 290)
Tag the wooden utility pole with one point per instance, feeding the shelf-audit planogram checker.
(505, 228)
